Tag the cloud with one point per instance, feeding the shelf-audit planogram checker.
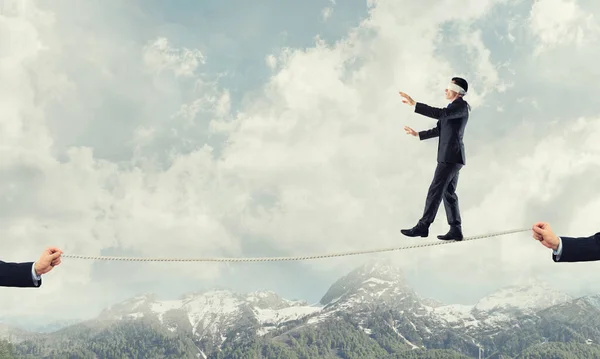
(559, 22)
(560, 29)
(159, 56)
(125, 143)
(326, 13)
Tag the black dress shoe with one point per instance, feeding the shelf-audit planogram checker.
(416, 231)
(454, 234)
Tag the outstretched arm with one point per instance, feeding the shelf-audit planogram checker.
(578, 249)
(29, 274)
(453, 111)
(568, 249)
(18, 275)
(429, 111)
(431, 133)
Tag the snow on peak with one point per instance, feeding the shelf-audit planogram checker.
(500, 307)
(272, 300)
(381, 269)
(374, 281)
(212, 313)
(524, 298)
(593, 300)
(136, 305)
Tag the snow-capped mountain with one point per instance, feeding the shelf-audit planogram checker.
(368, 284)
(214, 313)
(523, 299)
(501, 308)
(373, 298)
(593, 300)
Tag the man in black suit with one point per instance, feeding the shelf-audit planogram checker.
(29, 274)
(568, 249)
(450, 158)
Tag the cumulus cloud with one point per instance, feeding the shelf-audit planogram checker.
(557, 22)
(560, 29)
(126, 144)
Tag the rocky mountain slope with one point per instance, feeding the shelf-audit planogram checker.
(370, 312)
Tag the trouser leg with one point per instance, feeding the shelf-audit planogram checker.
(450, 199)
(442, 177)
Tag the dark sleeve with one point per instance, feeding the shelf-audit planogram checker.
(17, 275)
(579, 249)
(426, 110)
(427, 134)
(454, 110)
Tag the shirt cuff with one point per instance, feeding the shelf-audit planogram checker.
(558, 250)
(34, 276)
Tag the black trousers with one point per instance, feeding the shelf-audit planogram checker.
(443, 188)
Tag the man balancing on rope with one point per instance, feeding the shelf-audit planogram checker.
(450, 127)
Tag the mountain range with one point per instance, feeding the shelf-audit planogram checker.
(369, 313)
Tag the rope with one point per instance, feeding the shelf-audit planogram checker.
(298, 258)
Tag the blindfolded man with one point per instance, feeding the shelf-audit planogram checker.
(450, 127)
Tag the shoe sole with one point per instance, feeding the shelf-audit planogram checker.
(418, 235)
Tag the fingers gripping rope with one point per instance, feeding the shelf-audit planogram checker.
(298, 258)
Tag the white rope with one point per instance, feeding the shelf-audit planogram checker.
(298, 258)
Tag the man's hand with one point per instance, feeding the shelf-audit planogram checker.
(407, 99)
(543, 233)
(410, 131)
(49, 259)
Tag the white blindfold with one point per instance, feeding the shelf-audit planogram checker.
(454, 87)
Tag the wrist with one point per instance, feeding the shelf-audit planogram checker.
(556, 244)
(36, 268)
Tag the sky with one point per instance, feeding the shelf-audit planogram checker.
(199, 129)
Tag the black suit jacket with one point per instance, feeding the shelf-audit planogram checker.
(17, 275)
(450, 129)
(579, 249)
